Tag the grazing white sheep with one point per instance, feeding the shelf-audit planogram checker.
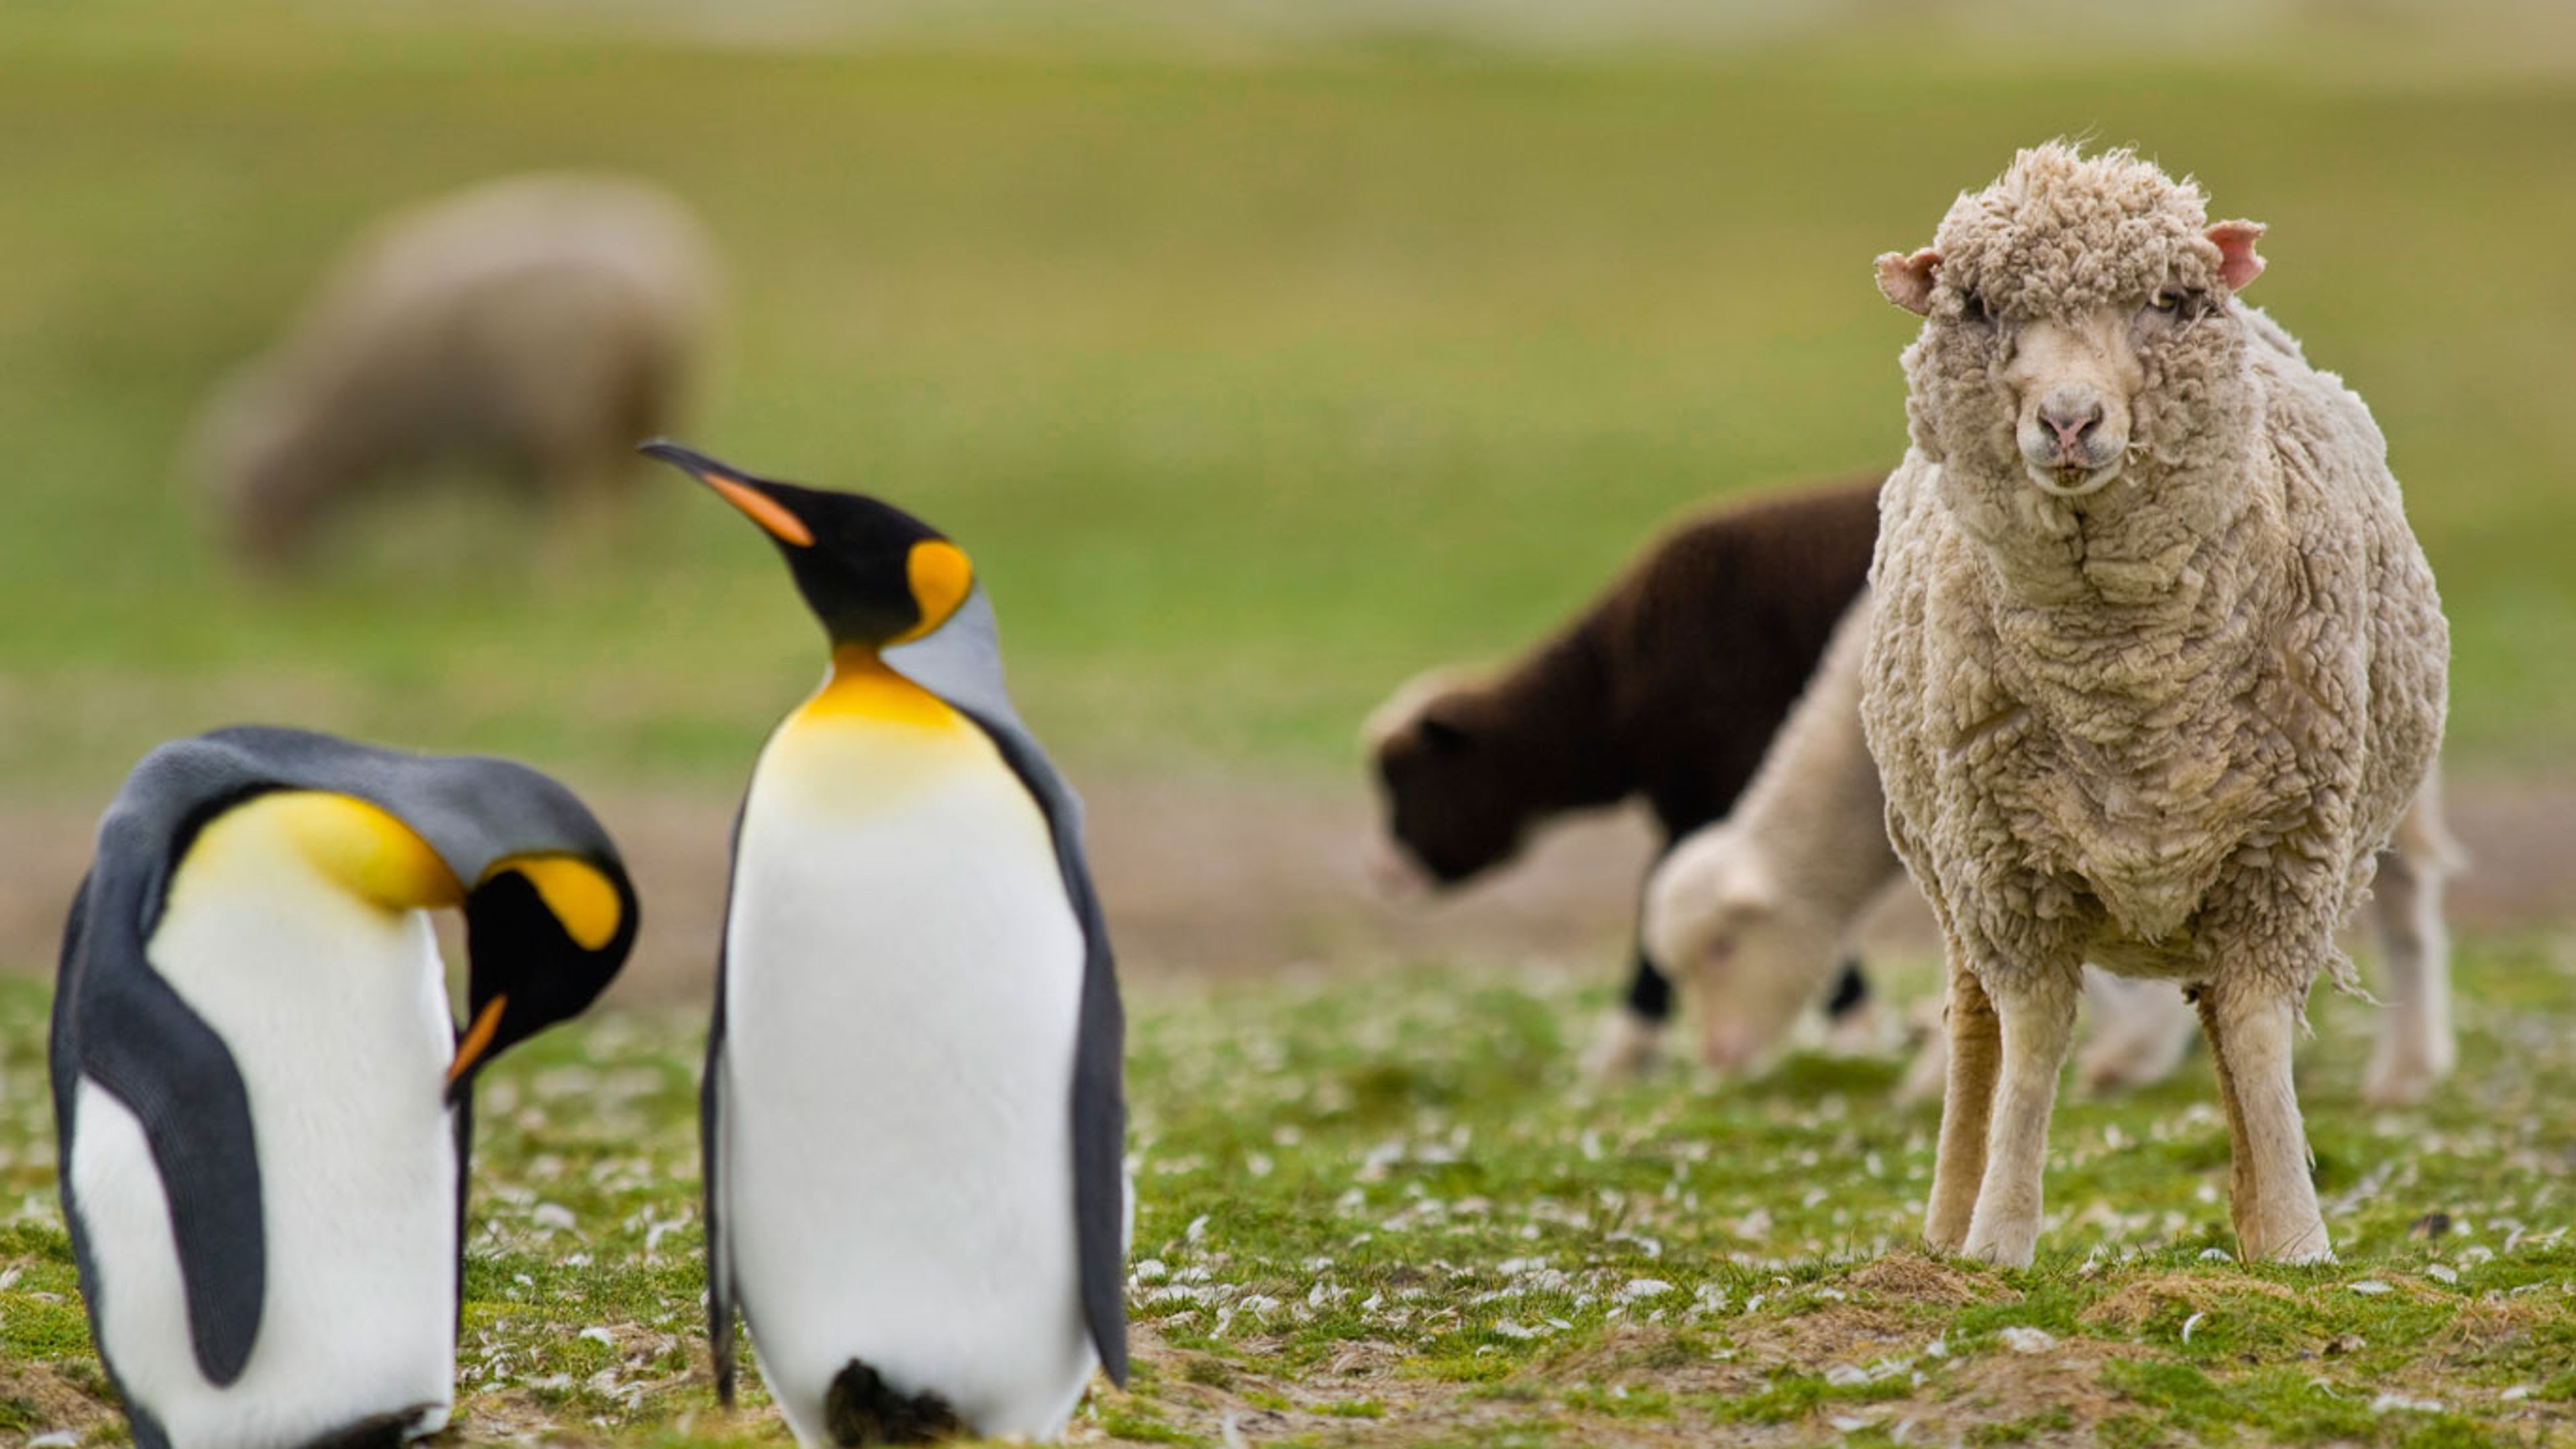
(2156, 666)
(1750, 917)
(539, 326)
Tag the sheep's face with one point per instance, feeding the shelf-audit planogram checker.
(2077, 321)
(1454, 786)
(1747, 955)
(2071, 383)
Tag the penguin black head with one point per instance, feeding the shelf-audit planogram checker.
(549, 911)
(546, 933)
(873, 574)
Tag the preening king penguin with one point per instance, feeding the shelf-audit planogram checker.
(261, 1098)
(913, 1111)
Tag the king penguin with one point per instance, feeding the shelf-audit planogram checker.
(913, 1113)
(261, 1098)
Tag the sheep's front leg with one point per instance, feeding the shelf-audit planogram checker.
(1629, 1036)
(2037, 1014)
(2416, 1048)
(1966, 1106)
(2251, 1025)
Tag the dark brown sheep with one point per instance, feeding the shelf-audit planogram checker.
(1669, 686)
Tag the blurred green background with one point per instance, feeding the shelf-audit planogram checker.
(1260, 356)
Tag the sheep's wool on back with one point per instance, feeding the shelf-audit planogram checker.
(2177, 716)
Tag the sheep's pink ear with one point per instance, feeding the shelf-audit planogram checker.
(2237, 263)
(1907, 281)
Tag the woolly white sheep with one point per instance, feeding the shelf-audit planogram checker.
(1750, 916)
(2157, 665)
(539, 325)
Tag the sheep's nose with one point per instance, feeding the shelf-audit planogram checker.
(2072, 414)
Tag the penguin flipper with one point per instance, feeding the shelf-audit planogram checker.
(1100, 1208)
(1099, 1097)
(134, 1036)
(461, 1120)
(720, 1305)
(720, 1308)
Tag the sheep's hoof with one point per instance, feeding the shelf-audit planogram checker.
(1624, 1047)
(2298, 1244)
(2004, 1255)
(2005, 1247)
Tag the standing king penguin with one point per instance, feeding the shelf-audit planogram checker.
(261, 1098)
(913, 1112)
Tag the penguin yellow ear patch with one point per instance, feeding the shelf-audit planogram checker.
(362, 846)
(760, 508)
(941, 576)
(575, 892)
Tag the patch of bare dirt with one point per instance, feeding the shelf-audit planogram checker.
(1231, 875)
(1910, 1277)
(1226, 1401)
(54, 1401)
(2135, 1306)
(1652, 1358)
(517, 1416)
(2059, 1392)
(1843, 1333)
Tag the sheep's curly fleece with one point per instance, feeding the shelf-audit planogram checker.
(2166, 727)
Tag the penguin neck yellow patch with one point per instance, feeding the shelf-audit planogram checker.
(580, 898)
(863, 687)
(869, 741)
(353, 844)
(940, 576)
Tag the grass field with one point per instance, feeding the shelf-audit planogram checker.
(1387, 1213)
(1258, 371)
(1255, 382)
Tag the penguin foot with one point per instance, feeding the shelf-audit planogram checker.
(862, 1408)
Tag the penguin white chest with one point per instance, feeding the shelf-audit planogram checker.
(335, 1015)
(904, 974)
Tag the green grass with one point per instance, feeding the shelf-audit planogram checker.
(1256, 376)
(1255, 383)
(1385, 1211)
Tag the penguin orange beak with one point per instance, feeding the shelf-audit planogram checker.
(772, 516)
(477, 1040)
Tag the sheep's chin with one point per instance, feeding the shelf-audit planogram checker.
(1397, 877)
(2094, 482)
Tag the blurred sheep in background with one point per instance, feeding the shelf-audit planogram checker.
(536, 327)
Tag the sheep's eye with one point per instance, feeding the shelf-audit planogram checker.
(1972, 305)
(2169, 300)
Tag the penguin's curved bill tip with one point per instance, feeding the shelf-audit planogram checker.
(472, 1047)
(774, 517)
